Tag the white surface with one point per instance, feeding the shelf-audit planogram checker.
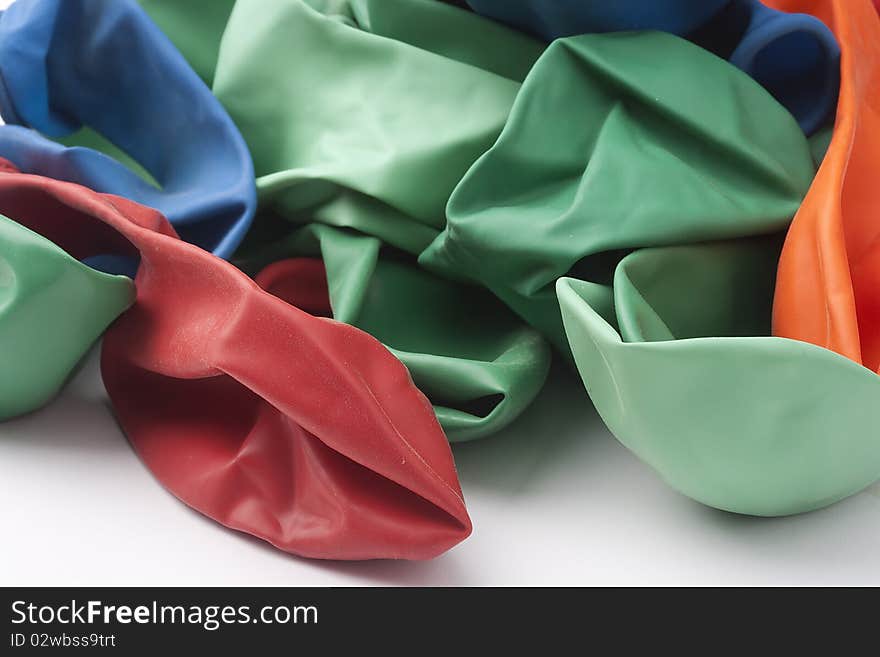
(554, 500)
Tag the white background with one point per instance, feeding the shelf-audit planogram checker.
(554, 500)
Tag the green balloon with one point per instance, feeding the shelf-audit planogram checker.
(362, 116)
(195, 27)
(358, 113)
(617, 142)
(757, 425)
(52, 308)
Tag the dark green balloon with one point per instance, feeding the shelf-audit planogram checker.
(618, 142)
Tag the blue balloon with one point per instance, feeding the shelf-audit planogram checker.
(551, 19)
(65, 64)
(794, 56)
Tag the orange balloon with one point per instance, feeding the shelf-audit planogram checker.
(828, 282)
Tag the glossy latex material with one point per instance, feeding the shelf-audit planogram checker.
(795, 57)
(420, 89)
(103, 64)
(301, 430)
(470, 355)
(756, 425)
(654, 160)
(829, 272)
(52, 308)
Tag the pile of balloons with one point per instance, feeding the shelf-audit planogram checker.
(322, 239)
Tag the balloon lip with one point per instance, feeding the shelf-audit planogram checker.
(774, 25)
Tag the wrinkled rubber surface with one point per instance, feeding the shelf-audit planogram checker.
(829, 271)
(65, 64)
(300, 430)
(477, 363)
(420, 90)
(795, 57)
(655, 160)
(757, 425)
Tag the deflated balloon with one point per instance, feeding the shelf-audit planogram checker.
(470, 355)
(603, 153)
(756, 425)
(65, 64)
(663, 214)
(795, 57)
(829, 271)
(675, 358)
(371, 137)
(413, 103)
(301, 430)
(52, 308)
(552, 19)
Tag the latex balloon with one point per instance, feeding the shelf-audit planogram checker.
(654, 160)
(756, 425)
(52, 308)
(645, 354)
(477, 363)
(300, 430)
(795, 57)
(551, 19)
(379, 154)
(103, 64)
(829, 271)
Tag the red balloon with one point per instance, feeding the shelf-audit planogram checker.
(300, 430)
(301, 282)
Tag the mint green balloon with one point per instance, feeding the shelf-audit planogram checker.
(358, 113)
(362, 116)
(359, 129)
(52, 309)
(477, 363)
(615, 142)
(756, 425)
